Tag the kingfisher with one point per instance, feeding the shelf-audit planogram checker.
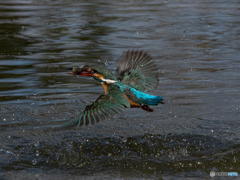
(136, 74)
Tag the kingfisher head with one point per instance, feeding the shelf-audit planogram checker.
(84, 71)
(87, 71)
(99, 73)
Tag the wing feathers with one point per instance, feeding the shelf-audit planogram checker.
(103, 108)
(137, 69)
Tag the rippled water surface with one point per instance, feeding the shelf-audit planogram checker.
(196, 45)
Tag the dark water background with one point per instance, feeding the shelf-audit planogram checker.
(196, 45)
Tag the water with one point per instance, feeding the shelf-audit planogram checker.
(196, 46)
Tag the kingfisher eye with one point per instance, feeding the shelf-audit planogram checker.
(94, 71)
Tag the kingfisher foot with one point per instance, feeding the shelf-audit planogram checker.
(146, 108)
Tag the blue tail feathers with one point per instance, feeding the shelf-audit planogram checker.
(145, 98)
(154, 100)
(158, 100)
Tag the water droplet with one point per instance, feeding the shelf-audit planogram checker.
(37, 153)
(9, 152)
(106, 63)
(34, 162)
(124, 140)
(234, 159)
(36, 144)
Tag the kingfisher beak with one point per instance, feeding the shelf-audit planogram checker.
(81, 71)
(84, 73)
(70, 71)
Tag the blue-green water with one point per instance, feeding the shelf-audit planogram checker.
(196, 46)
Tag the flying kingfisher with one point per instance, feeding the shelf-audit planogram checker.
(135, 75)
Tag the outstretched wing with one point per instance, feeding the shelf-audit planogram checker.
(103, 108)
(104, 71)
(136, 68)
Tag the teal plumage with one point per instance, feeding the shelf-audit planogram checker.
(144, 98)
(135, 75)
(139, 96)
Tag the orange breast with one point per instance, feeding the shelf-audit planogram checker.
(105, 88)
(132, 103)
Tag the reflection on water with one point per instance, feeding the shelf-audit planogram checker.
(195, 45)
